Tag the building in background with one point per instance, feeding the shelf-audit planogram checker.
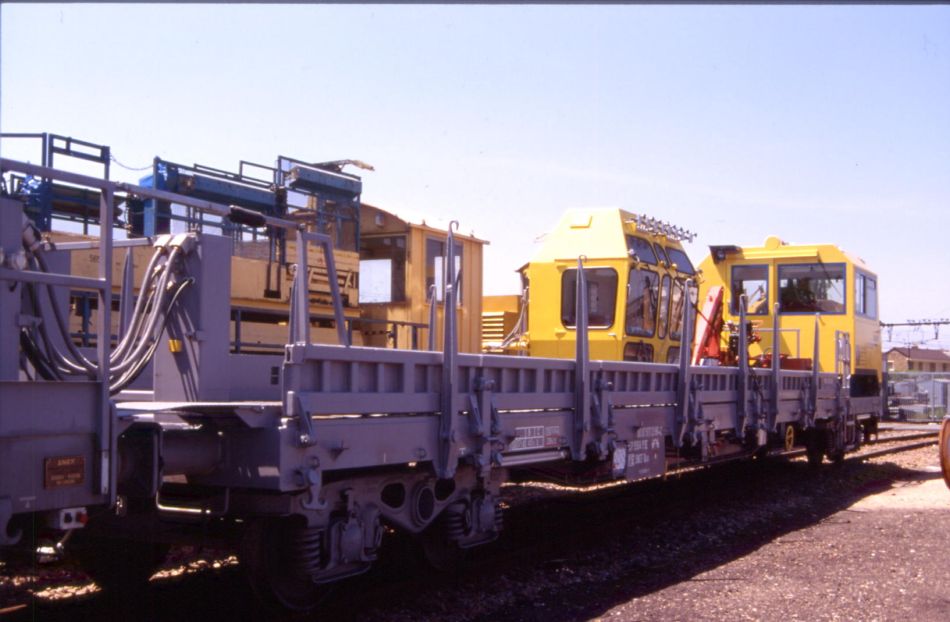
(917, 359)
(401, 267)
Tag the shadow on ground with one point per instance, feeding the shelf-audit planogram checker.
(563, 557)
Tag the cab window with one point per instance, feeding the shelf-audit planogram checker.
(678, 298)
(661, 254)
(865, 295)
(435, 267)
(642, 302)
(673, 354)
(639, 351)
(683, 264)
(382, 269)
(753, 282)
(601, 297)
(812, 288)
(664, 313)
(641, 249)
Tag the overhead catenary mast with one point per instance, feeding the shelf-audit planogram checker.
(915, 324)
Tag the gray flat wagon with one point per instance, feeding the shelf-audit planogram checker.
(306, 460)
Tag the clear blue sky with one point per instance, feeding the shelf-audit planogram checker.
(818, 123)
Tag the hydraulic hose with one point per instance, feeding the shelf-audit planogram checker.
(83, 364)
(159, 309)
(61, 323)
(53, 356)
(36, 357)
(157, 297)
(133, 373)
(140, 304)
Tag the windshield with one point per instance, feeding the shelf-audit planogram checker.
(641, 249)
(683, 264)
(812, 288)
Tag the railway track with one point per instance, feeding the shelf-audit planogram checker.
(895, 444)
(554, 544)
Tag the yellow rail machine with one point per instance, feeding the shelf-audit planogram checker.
(811, 286)
(636, 272)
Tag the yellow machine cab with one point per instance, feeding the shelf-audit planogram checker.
(636, 272)
(810, 286)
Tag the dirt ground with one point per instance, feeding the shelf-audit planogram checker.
(760, 540)
(882, 558)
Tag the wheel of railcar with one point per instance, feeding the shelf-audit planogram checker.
(789, 437)
(836, 445)
(279, 558)
(439, 552)
(945, 450)
(440, 540)
(119, 566)
(836, 456)
(815, 448)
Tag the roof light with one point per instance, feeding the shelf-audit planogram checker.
(655, 226)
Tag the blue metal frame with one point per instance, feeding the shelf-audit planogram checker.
(46, 200)
(208, 184)
(337, 194)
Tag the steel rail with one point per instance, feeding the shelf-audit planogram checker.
(892, 450)
(881, 452)
(902, 437)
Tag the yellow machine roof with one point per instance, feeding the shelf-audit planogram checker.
(775, 248)
(596, 232)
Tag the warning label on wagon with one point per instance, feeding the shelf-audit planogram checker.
(646, 451)
(536, 437)
(64, 471)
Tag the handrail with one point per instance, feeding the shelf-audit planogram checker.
(102, 284)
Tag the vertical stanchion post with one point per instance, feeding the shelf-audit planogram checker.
(107, 439)
(341, 332)
(433, 291)
(776, 367)
(448, 442)
(742, 352)
(883, 389)
(581, 364)
(300, 307)
(686, 348)
(815, 371)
